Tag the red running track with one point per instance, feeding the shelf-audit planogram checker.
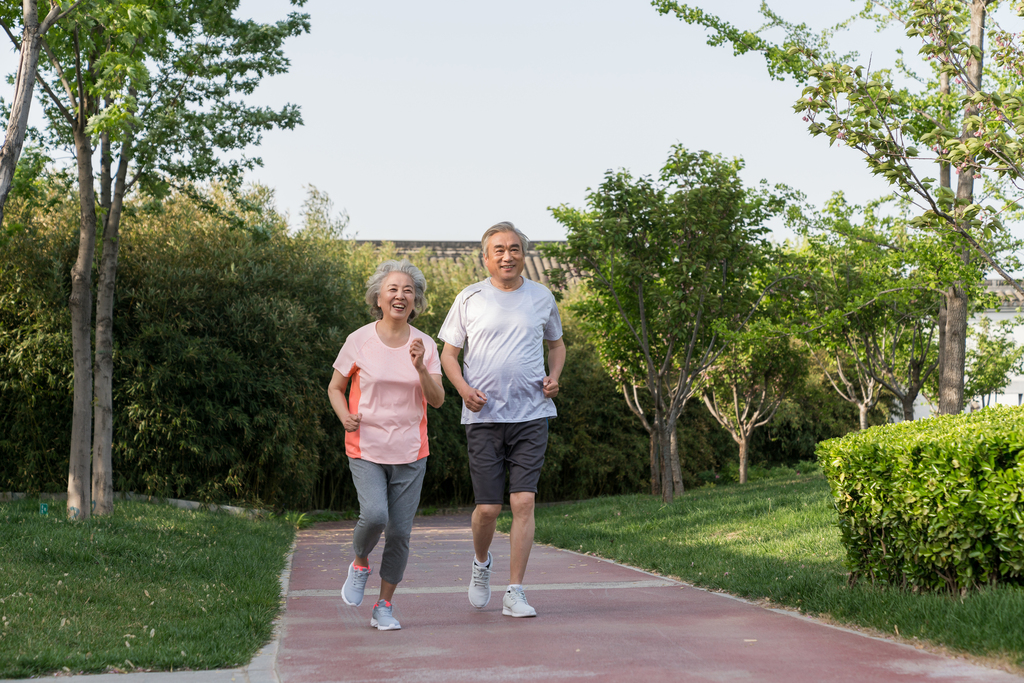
(597, 621)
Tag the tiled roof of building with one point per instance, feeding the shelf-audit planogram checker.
(1010, 299)
(536, 264)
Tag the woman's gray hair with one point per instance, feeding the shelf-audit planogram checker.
(376, 281)
(504, 226)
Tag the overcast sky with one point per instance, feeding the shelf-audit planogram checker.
(436, 120)
(432, 121)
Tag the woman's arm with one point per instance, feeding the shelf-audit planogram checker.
(433, 390)
(336, 393)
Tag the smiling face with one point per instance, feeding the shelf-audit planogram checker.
(504, 260)
(397, 296)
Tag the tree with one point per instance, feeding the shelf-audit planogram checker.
(849, 378)
(875, 288)
(32, 41)
(863, 109)
(155, 82)
(665, 264)
(900, 345)
(756, 371)
(832, 260)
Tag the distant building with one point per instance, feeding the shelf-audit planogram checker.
(1011, 304)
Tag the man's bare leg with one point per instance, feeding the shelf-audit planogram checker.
(485, 519)
(522, 534)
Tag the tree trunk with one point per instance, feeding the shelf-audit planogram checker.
(908, 407)
(79, 503)
(103, 410)
(951, 372)
(655, 466)
(665, 449)
(862, 408)
(943, 316)
(24, 84)
(677, 469)
(944, 179)
(951, 377)
(743, 440)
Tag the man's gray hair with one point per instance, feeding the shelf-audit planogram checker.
(376, 281)
(504, 226)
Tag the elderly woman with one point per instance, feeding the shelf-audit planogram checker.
(392, 371)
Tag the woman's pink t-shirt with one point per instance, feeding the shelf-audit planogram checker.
(385, 387)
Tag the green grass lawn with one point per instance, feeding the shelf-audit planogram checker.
(149, 587)
(776, 539)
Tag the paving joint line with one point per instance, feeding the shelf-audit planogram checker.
(433, 590)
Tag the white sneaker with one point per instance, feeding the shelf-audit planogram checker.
(382, 618)
(355, 584)
(480, 584)
(514, 604)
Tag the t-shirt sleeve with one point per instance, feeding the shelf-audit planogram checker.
(347, 360)
(553, 327)
(430, 356)
(453, 331)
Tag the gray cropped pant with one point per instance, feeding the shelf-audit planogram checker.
(388, 498)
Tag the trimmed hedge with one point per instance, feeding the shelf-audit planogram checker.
(933, 504)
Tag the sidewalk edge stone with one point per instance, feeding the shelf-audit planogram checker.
(263, 667)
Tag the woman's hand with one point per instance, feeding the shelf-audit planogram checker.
(416, 351)
(351, 422)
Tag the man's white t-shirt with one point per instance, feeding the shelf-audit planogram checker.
(502, 337)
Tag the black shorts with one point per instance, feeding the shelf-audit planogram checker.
(495, 446)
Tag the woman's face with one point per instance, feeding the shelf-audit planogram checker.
(397, 296)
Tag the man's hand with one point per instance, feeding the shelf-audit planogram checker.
(416, 352)
(351, 422)
(474, 398)
(550, 387)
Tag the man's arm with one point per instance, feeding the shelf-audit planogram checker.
(474, 398)
(556, 361)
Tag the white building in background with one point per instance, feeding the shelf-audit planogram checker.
(1011, 305)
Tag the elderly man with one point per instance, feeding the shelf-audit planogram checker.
(505, 321)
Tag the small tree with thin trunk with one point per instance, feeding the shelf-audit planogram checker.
(758, 369)
(874, 295)
(157, 87)
(664, 264)
(850, 379)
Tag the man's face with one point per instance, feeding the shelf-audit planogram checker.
(504, 258)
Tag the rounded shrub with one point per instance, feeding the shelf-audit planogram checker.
(933, 504)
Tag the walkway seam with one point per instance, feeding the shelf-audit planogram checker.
(435, 590)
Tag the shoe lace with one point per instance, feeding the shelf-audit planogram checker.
(359, 579)
(480, 575)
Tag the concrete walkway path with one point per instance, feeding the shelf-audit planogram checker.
(597, 621)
